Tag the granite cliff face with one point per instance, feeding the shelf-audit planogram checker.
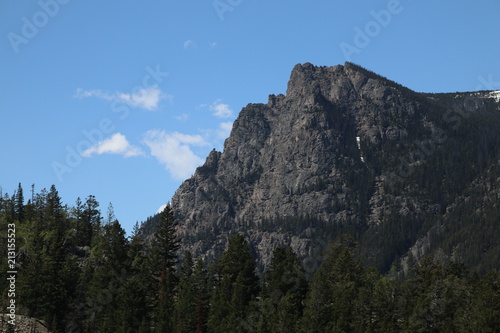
(345, 150)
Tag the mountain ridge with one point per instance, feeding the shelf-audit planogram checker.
(345, 150)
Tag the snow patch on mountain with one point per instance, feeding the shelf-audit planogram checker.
(358, 141)
(495, 95)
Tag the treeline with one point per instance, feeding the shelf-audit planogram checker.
(79, 272)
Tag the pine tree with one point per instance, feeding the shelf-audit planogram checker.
(329, 304)
(30, 284)
(110, 266)
(202, 286)
(235, 287)
(137, 250)
(77, 214)
(163, 281)
(90, 221)
(434, 294)
(45, 279)
(187, 297)
(133, 303)
(110, 214)
(284, 291)
(19, 204)
(193, 297)
(375, 308)
(482, 312)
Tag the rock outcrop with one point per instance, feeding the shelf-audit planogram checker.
(345, 150)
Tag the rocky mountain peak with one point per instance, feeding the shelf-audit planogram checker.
(312, 164)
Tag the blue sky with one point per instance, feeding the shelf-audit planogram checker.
(123, 99)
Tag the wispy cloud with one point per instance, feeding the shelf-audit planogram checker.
(189, 44)
(173, 150)
(220, 109)
(224, 129)
(182, 117)
(145, 98)
(116, 144)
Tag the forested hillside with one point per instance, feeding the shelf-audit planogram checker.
(77, 270)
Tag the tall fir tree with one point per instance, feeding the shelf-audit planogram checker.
(202, 286)
(375, 308)
(133, 304)
(334, 287)
(185, 318)
(19, 204)
(481, 312)
(90, 221)
(193, 297)
(163, 280)
(437, 289)
(283, 294)
(236, 286)
(105, 277)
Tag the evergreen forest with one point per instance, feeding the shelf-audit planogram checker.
(79, 272)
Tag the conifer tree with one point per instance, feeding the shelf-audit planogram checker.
(19, 204)
(187, 296)
(110, 262)
(236, 286)
(90, 221)
(375, 309)
(202, 286)
(193, 296)
(284, 290)
(481, 312)
(137, 250)
(162, 262)
(49, 273)
(434, 294)
(133, 305)
(334, 287)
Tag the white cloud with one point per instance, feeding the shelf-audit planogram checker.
(162, 207)
(182, 117)
(144, 98)
(116, 144)
(212, 45)
(220, 109)
(173, 150)
(224, 129)
(80, 93)
(188, 44)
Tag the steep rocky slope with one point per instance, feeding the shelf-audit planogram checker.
(345, 150)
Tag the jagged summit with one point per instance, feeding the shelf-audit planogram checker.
(345, 150)
(347, 81)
